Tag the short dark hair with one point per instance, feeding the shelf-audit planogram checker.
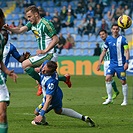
(103, 30)
(32, 8)
(52, 65)
(1, 14)
(115, 24)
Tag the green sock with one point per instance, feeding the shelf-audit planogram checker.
(114, 86)
(62, 78)
(3, 127)
(30, 71)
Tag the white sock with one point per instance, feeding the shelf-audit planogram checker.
(109, 90)
(71, 113)
(125, 92)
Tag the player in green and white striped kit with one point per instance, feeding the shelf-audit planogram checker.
(103, 34)
(4, 94)
(46, 37)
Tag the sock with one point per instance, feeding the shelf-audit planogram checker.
(3, 127)
(114, 86)
(62, 78)
(71, 113)
(109, 90)
(30, 71)
(125, 92)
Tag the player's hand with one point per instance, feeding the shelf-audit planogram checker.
(38, 118)
(7, 27)
(40, 52)
(98, 67)
(125, 66)
(26, 55)
(13, 76)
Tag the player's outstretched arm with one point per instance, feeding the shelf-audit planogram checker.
(11, 73)
(16, 30)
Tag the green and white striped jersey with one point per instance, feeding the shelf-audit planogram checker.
(107, 55)
(2, 44)
(43, 31)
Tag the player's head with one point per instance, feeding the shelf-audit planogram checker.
(115, 30)
(4, 32)
(49, 68)
(103, 34)
(2, 18)
(32, 14)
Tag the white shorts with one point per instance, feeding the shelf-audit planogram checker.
(4, 94)
(106, 65)
(39, 59)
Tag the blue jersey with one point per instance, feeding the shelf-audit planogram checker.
(9, 50)
(50, 87)
(116, 48)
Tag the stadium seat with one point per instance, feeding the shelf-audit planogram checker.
(64, 30)
(98, 39)
(78, 52)
(85, 38)
(85, 52)
(91, 52)
(64, 52)
(92, 38)
(85, 45)
(92, 46)
(78, 38)
(78, 45)
(70, 52)
(128, 31)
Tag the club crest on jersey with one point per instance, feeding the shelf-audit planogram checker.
(123, 74)
(36, 34)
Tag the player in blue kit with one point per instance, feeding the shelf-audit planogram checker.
(10, 50)
(53, 96)
(119, 56)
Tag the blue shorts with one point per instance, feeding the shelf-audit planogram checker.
(119, 70)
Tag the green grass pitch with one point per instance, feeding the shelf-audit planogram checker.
(85, 97)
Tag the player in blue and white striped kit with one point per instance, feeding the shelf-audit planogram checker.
(10, 50)
(53, 96)
(119, 56)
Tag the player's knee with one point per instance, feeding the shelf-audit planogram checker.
(58, 112)
(25, 64)
(3, 116)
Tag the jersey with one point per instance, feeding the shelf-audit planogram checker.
(9, 50)
(43, 31)
(4, 94)
(50, 87)
(116, 49)
(107, 55)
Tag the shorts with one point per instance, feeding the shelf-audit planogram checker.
(119, 70)
(106, 65)
(4, 94)
(37, 60)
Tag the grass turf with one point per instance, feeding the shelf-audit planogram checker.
(85, 97)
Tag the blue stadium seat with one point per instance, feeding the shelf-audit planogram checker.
(92, 38)
(85, 52)
(70, 52)
(99, 39)
(85, 38)
(64, 30)
(78, 38)
(85, 45)
(92, 45)
(64, 52)
(128, 31)
(91, 52)
(78, 52)
(78, 45)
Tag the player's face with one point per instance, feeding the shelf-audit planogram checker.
(31, 17)
(46, 70)
(115, 30)
(103, 35)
